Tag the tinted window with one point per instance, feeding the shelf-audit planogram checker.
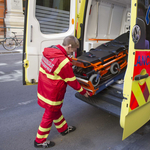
(143, 20)
(53, 15)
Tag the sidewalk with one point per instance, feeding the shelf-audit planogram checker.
(16, 50)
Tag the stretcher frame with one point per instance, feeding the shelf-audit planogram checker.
(108, 69)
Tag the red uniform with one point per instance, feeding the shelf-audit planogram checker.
(54, 75)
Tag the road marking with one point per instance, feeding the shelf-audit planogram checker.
(1, 109)
(17, 105)
(19, 50)
(27, 102)
(3, 64)
(16, 75)
(1, 72)
(16, 63)
(19, 62)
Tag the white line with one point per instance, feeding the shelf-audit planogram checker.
(27, 102)
(19, 50)
(3, 64)
(1, 72)
(16, 75)
(19, 104)
(19, 62)
(1, 109)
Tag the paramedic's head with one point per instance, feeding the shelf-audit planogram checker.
(70, 44)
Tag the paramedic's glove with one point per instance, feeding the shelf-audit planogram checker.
(87, 94)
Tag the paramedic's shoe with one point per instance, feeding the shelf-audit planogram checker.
(69, 129)
(46, 144)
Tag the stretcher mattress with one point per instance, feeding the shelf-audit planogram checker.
(106, 50)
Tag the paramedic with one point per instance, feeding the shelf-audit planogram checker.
(54, 75)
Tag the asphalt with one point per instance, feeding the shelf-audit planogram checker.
(20, 116)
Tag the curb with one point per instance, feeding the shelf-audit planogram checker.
(16, 50)
(10, 52)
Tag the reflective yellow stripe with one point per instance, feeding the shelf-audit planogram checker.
(70, 79)
(61, 125)
(53, 77)
(58, 120)
(138, 93)
(41, 136)
(148, 83)
(44, 129)
(80, 90)
(61, 65)
(49, 101)
(56, 77)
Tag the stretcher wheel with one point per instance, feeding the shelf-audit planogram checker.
(94, 80)
(114, 68)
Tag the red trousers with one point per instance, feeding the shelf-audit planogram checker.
(46, 123)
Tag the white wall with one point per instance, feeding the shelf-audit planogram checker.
(107, 20)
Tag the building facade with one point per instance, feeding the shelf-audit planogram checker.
(2, 16)
(11, 17)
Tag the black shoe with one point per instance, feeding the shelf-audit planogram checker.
(46, 144)
(70, 129)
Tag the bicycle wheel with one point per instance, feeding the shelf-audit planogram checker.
(9, 44)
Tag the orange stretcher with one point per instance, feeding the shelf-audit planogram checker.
(102, 63)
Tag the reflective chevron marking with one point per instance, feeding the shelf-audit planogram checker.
(140, 94)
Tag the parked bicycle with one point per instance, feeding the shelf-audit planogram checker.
(12, 42)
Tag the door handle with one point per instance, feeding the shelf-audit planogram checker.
(139, 77)
(31, 33)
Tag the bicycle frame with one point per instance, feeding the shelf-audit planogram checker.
(16, 39)
(11, 43)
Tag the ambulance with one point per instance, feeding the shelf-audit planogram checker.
(96, 22)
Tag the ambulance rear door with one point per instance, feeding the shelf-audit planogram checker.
(47, 22)
(135, 110)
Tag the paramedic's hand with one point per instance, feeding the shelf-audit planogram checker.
(87, 94)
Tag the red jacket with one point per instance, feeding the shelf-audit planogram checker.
(54, 75)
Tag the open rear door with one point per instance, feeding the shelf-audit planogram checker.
(135, 111)
(47, 22)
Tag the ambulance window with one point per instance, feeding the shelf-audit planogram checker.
(143, 21)
(53, 15)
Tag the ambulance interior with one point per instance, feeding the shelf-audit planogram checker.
(105, 21)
